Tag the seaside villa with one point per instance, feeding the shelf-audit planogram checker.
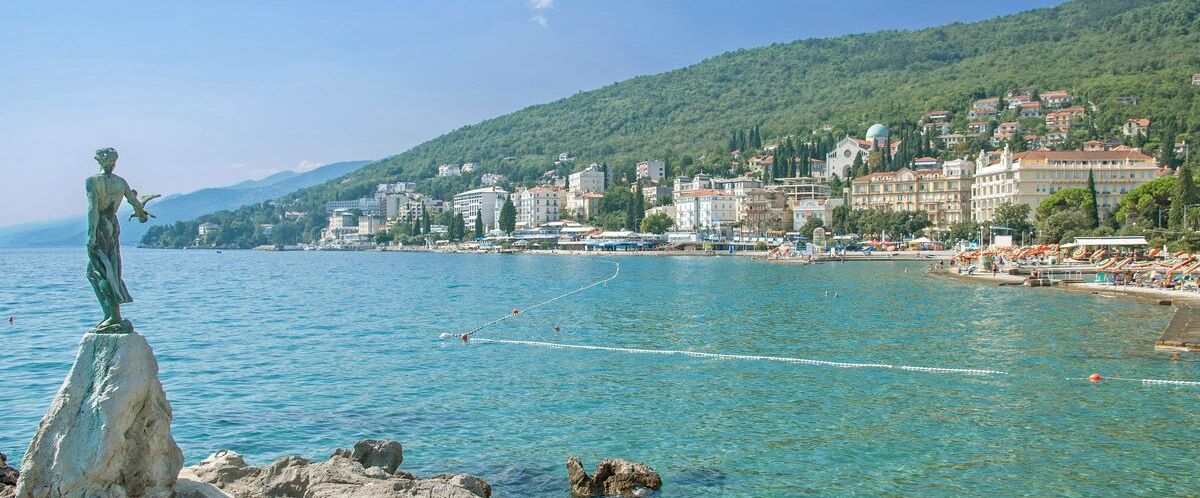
(1030, 177)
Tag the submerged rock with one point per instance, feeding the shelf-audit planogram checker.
(612, 478)
(8, 478)
(108, 431)
(341, 476)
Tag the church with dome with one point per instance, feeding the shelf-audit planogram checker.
(840, 160)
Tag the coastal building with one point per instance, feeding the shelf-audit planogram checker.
(926, 163)
(1135, 126)
(1056, 98)
(410, 206)
(366, 205)
(207, 228)
(467, 167)
(992, 103)
(737, 185)
(1009, 127)
(484, 202)
(394, 188)
(944, 194)
(584, 205)
(536, 206)
(370, 225)
(982, 114)
(801, 188)
(705, 209)
(686, 183)
(449, 170)
(760, 210)
(1126, 99)
(804, 210)
(1064, 119)
(936, 127)
(940, 115)
(591, 179)
(980, 127)
(1196, 79)
(1030, 110)
(1030, 177)
(653, 170)
(655, 194)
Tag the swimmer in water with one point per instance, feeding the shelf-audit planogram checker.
(556, 329)
(10, 319)
(1175, 356)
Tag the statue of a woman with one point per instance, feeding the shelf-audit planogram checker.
(105, 192)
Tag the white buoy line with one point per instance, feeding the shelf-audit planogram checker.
(728, 356)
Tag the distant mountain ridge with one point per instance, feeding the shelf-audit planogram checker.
(177, 207)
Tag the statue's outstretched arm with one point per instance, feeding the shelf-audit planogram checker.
(139, 205)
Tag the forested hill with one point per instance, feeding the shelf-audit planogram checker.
(1098, 49)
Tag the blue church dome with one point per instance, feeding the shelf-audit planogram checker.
(877, 131)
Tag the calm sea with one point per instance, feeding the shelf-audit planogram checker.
(280, 353)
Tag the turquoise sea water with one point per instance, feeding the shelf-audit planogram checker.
(277, 353)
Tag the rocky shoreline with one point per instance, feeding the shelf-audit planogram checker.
(370, 470)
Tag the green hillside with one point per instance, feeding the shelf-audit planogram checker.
(1097, 49)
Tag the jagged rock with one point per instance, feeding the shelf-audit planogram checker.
(612, 478)
(8, 478)
(108, 431)
(337, 477)
(386, 454)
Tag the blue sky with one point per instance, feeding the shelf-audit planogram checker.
(197, 94)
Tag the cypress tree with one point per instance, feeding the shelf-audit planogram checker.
(639, 208)
(1094, 210)
(508, 216)
(460, 227)
(425, 221)
(478, 223)
(1185, 195)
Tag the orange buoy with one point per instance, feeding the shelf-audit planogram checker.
(515, 311)
(464, 337)
(1095, 377)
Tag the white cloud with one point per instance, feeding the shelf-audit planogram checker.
(539, 11)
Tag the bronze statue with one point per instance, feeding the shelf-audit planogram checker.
(105, 192)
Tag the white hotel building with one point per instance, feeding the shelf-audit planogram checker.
(705, 208)
(1030, 177)
(483, 201)
(536, 206)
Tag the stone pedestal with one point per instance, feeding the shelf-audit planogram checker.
(108, 432)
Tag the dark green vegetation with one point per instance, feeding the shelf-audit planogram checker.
(1099, 50)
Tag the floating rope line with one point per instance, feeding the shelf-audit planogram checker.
(1155, 381)
(551, 300)
(722, 356)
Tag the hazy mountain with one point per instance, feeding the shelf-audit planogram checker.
(73, 230)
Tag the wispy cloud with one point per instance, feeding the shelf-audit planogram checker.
(539, 8)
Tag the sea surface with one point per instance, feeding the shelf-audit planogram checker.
(272, 354)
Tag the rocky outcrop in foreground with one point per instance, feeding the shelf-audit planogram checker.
(108, 431)
(612, 478)
(8, 478)
(370, 471)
